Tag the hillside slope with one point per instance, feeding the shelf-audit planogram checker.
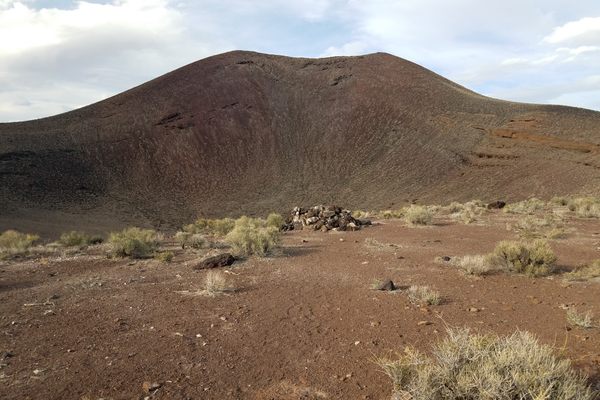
(247, 133)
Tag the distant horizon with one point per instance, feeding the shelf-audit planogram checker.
(65, 54)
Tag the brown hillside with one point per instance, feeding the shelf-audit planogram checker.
(250, 133)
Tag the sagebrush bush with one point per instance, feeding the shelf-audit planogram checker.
(253, 236)
(418, 215)
(550, 226)
(13, 243)
(585, 207)
(134, 243)
(76, 238)
(474, 265)
(529, 206)
(534, 259)
(585, 321)
(275, 220)
(216, 227)
(390, 214)
(424, 295)
(585, 272)
(164, 256)
(467, 366)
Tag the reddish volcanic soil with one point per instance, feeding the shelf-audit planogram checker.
(302, 325)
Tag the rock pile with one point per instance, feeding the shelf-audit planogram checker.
(323, 218)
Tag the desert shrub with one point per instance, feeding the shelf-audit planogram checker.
(581, 320)
(535, 259)
(467, 366)
(76, 238)
(13, 243)
(164, 256)
(467, 213)
(216, 227)
(560, 200)
(585, 207)
(182, 238)
(391, 214)
(275, 220)
(134, 242)
(253, 236)
(215, 283)
(418, 215)
(529, 206)
(424, 295)
(585, 272)
(474, 265)
(550, 226)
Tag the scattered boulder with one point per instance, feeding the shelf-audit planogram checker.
(496, 205)
(386, 286)
(323, 218)
(218, 261)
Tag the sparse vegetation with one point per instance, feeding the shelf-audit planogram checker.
(585, 321)
(275, 220)
(550, 227)
(79, 239)
(585, 272)
(467, 213)
(134, 243)
(377, 245)
(469, 366)
(164, 256)
(424, 295)
(535, 259)
(529, 206)
(418, 215)
(13, 243)
(215, 227)
(390, 214)
(253, 236)
(215, 283)
(474, 265)
(585, 207)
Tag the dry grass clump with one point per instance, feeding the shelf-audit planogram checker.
(79, 239)
(581, 320)
(275, 220)
(193, 240)
(585, 272)
(253, 236)
(418, 215)
(13, 243)
(391, 214)
(134, 243)
(477, 265)
(467, 366)
(549, 226)
(164, 256)
(424, 295)
(215, 227)
(585, 207)
(534, 259)
(359, 214)
(529, 206)
(216, 283)
(467, 213)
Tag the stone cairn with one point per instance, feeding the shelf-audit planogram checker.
(323, 218)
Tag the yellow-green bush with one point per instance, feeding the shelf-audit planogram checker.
(467, 366)
(253, 236)
(275, 220)
(216, 227)
(585, 207)
(164, 256)
(134, 243)
(529, 206)
(534, 259)
(76, 238)
(13, 243)
(585, 272)
(418, 215)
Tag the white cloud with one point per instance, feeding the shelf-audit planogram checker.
(580, 32)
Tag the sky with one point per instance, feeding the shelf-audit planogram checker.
(56, 56)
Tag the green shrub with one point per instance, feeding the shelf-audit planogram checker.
(418, 215)
(164, 256)
(467, 366)
(13, 243)
(275, 220)
(216, 227)
(134, 242)
(253, 236)
(76, 238)
(535, 259)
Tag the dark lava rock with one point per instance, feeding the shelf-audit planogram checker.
(221, 260)
(387, 286)
(496, 205)
(445, 258)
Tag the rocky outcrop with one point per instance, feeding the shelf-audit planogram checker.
(323, 218)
